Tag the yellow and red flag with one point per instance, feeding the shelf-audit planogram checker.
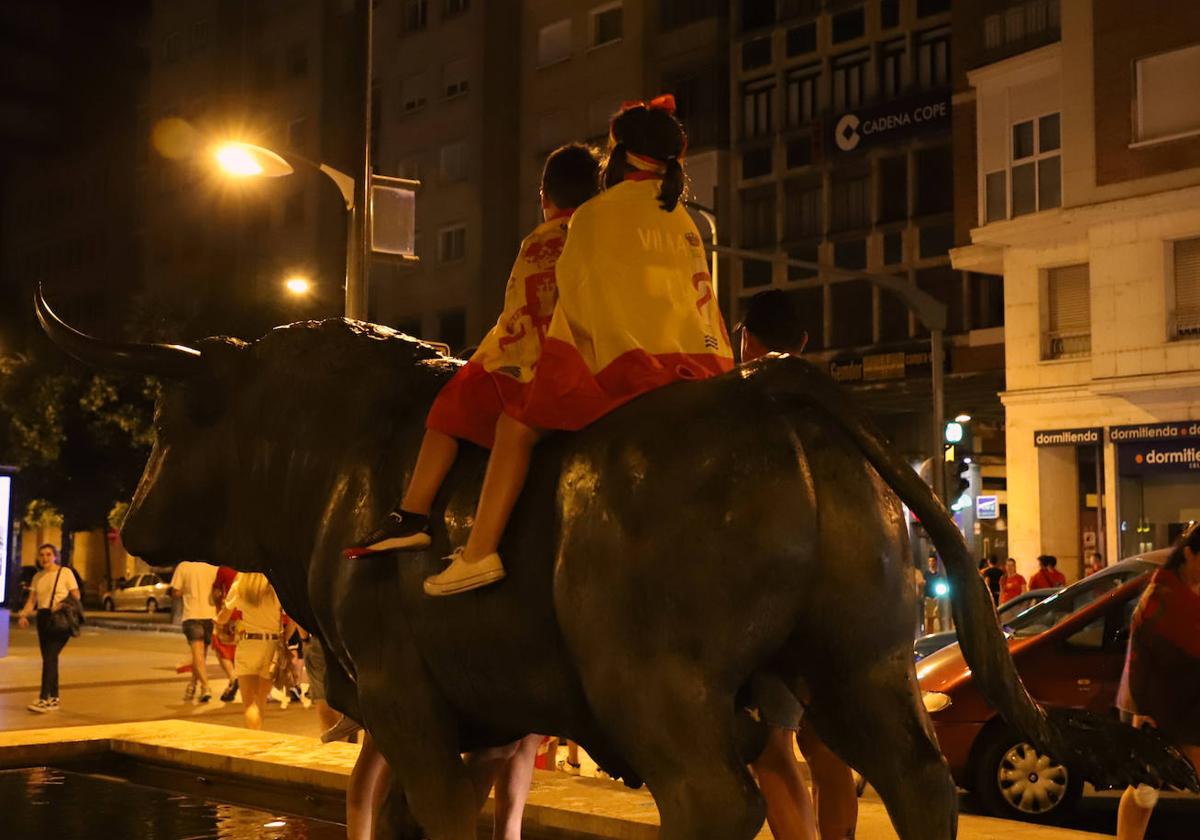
(636, 310)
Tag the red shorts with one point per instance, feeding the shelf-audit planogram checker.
(469, 405)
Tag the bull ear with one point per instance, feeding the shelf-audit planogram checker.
(170, 360)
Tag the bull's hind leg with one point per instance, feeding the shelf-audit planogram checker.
(687, 754)
(874, 720)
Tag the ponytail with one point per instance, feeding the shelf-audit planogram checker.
(672, 185)
(615, 166)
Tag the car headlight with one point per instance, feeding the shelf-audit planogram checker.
(935, 701)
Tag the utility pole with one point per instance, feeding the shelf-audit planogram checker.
(930, 311)
(358, 262)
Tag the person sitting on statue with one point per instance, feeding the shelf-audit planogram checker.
(493, 384)
(636, 311)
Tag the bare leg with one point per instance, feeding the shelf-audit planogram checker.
(369, 781)
(506, 471)
(789, 808)
(834, 792)
(254, 698)
(227, 667)
(1132, 818)
(438, 451)
(512, 789)
(572, 754)
(199, 666)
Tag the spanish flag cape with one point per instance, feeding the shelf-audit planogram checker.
(1164, 656)
(636, 310)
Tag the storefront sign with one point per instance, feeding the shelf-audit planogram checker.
(987, 507)
(1167, 457)
(1154, 431)
(878, 367)
(891, 121)
(1068, 437)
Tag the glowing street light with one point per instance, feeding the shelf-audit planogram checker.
(245, 160)
(298, 285)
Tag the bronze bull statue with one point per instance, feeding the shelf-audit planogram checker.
(702, 534)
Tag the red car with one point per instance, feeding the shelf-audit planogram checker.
(1070, 651)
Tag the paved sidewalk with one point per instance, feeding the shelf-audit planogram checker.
(585, 807)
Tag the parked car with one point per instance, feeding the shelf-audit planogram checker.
(146, 592)
(1070, 651)
(936, 641)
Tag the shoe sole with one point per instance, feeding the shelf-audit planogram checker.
(410, 543)
(466, 584)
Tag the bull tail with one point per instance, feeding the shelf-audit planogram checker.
(1104, 751)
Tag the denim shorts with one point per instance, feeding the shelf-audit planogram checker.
(198, 629)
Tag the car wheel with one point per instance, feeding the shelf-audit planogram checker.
(151, 605)
(1015, 780)
(109, 606)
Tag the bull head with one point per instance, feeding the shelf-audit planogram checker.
(173, 361)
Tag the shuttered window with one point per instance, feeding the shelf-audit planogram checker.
(1187, 288)
(1069, 313)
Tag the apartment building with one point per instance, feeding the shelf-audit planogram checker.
(1083, 132)
(842, 138)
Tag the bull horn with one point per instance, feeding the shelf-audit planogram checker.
(170, 360)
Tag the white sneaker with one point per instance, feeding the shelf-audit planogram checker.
(42, 706)
(461, 576)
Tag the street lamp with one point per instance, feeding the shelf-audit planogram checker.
(297, 285)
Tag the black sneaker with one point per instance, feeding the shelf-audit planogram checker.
(401, 531)
(230, 692)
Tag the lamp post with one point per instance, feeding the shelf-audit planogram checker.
(930, 311)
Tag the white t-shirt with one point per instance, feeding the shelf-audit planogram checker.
(195, 580)
(265, 617)
(43, 586)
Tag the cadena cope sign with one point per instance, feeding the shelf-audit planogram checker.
(891, 121)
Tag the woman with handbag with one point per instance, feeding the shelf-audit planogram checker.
(54, 596)
(258, 635)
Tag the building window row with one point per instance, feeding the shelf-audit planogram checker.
(606, 25)
(673, 14)
(1021, 23)
(847, 20)
(850, 82)
(455, 81)
(1032, 180)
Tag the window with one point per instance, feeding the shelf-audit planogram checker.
(891, 69)
(850, 203)
(851, 254)
(756, 107)
(296, 133)
(1185, 259)
(757, 14)
(702, 105)
(851, 322)
(893, 188)
(755, 273)
(802, 211)
(935, 180)
(849, 76)
(1068, 313)
(414, 15)
(935, 240)
(849, 25)
(673, 14)
(809, 252)
(452, 243)
(172, 45)
(802, 39)
(412, 93)
(198, 36)
(945, 284)
(758, 218)
(933, 58)
(452, 328)
(453, 161)
(893, 247)
(987, 297)
(554, 42)
(450, 8)
(756, 162)
(756, 53)
(789, 9)
(295, 61)
(889, 14)
(802, 95)
(799, 152)
(1166, 104)
(995, 197)
(606, 24)
(454, 78)
(1035, 179)
(925, 8)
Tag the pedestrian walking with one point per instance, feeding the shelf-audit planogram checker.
(49, 595)
(193, 583)
(992, 575)
(257, 639)
(224, 642)
(1161, 684)
(1012, 584)
(935, 592)
(1047, 575)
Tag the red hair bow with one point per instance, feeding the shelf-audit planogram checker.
(662, 102)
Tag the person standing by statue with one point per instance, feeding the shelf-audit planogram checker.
(193, 583)
(772, 324)
(1161, 684)
(48, 594)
